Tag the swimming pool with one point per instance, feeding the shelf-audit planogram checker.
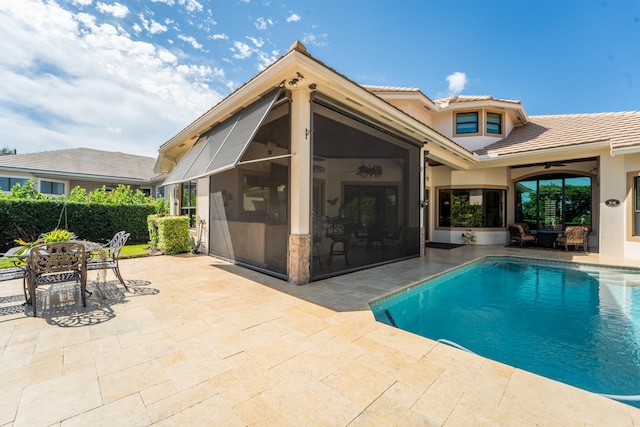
(579, 324)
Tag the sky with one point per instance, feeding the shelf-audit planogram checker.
(128, 75)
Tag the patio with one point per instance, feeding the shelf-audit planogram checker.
(200, 341)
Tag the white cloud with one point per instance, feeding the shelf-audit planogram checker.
(219, 37)
(191, 40)
(457, 82)
(256, 42)
(73, 83)
(262, 23)
(191, 5)
(82, 2)
(241, 50)
(316, 40)
(116, 9)
(293, 18)
(152, 26)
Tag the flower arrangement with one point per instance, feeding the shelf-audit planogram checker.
(469, 236)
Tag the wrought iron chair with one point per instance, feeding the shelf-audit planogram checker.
(340, 233)
(109, 259)
(56, 263)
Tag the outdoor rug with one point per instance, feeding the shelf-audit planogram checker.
(437, 245)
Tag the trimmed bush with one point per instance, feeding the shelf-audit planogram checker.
(169, 234)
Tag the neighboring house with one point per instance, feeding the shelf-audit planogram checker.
(58, 172)
(282, 169)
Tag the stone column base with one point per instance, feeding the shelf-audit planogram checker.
(422, 242)
(299, 259)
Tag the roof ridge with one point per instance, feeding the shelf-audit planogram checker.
(605, 113)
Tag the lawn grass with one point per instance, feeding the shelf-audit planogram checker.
(133, 251)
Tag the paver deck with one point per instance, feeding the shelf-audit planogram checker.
(202, 342)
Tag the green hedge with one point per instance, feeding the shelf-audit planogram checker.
(169, 234)
(89, 221)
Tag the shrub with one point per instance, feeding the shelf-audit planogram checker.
(169, 234)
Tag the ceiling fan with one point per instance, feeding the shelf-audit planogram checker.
(547, 165)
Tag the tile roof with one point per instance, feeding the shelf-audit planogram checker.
(619, 129)
(374, 88)
(84, 161)
(471, 98)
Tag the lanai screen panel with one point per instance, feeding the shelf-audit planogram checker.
(225, 144)
(178, 173)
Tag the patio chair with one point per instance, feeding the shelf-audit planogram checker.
(109, 259)
(58, 262)
(340, 233)
(521, 233)
(575, 235)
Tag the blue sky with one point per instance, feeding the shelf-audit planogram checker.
(128, 75)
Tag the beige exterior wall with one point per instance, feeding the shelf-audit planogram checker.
(202, 216)
(631, 243)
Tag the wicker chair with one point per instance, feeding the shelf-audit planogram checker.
(109, 259)
(56, 263)
(574, 235)
(521, 233)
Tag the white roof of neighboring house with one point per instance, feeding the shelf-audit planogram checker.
(85, 163)
(620, 130)
(471, 98)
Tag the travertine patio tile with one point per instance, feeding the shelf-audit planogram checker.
(245, 380)
(400, 340)
(190, 372)
(213, 411)
(384, 412)
(63, 397)
(254, 350)
(122, 383)
(109, 362)
(158, 392)
(274, 353)
(180, 401)
(529, 394)
(188, 330)
(16, 356)
(320, 361)
(87, 350)
(305, 400)
(401, 394)
(256, 412)
(127, 411)
(359, 382)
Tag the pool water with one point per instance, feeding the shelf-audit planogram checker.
(579, 324)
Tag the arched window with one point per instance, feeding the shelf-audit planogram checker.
(550, 202)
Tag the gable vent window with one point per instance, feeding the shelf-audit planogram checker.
(467, 123)
(494, 123)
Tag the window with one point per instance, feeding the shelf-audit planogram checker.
(264, 195)
(467, 123)
(372, 205)
(494, 123)
(6, 183)
(160, 192)
(472, 208)
(51, 187)
(636, 206)
(552, 201)
(188, 202)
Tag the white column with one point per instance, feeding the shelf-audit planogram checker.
(300, 160)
